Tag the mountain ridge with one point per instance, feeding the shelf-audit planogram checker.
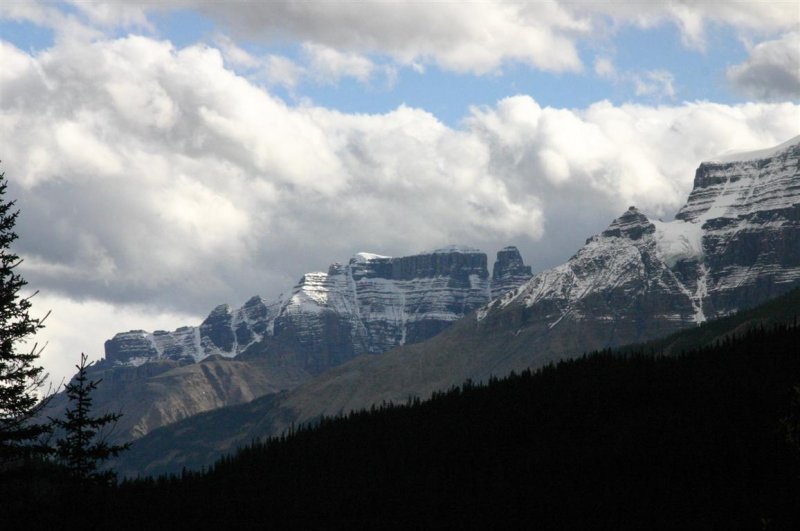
(364, 307)
(205, 437)
(376, 302)
(636, 281)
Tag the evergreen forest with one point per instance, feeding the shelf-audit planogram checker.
(708, 438)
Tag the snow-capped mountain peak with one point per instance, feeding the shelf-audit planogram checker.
(735, 243)
(368, 305)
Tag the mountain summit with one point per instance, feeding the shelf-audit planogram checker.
(367, 306)
(734, 245)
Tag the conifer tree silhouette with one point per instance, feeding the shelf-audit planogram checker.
(83, 445)
(20, 376)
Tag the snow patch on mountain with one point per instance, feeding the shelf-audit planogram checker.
(736, 156)
(363, 258)
(454, 249)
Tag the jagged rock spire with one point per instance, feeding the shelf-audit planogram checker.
(509, 271)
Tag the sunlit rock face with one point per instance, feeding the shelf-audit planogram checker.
(749, 208)
(367, 306)
(735, 244)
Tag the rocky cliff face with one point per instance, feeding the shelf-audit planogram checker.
(369, 305)
(160, 392)
(748, 207)
(509, 271)
(735, 244)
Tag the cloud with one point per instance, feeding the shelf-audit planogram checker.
(474, 37)
(691, 17)
(629, 154)
(115, 14)
(654, 83)
(66, 27)
(657, 84)
(282, 71)
(157, 169)
(604, 67)
(235, 56)
(480, 37)
(150, 176)
(328, 65)
(319, 64)
(772, 70)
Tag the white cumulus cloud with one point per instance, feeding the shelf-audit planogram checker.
(329, 65)
(154, 176)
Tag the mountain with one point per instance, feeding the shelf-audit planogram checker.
(161, 392)
(368, 306)
(734, 245)
(703, 440)
(202, 439)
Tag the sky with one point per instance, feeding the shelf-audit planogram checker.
(171, 156)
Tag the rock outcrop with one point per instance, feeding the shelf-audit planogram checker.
(509, 271)
(748, 207)
(367, 306)
(735, 244)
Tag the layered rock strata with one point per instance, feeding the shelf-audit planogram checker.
(367, 306)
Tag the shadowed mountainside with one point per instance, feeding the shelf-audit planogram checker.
(200, 440)
(708, 439)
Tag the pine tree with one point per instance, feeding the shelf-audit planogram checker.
(83, 444)
(20, 376)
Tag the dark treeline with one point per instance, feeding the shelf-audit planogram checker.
(699, 440)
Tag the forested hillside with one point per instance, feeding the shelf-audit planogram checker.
(702, 439)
